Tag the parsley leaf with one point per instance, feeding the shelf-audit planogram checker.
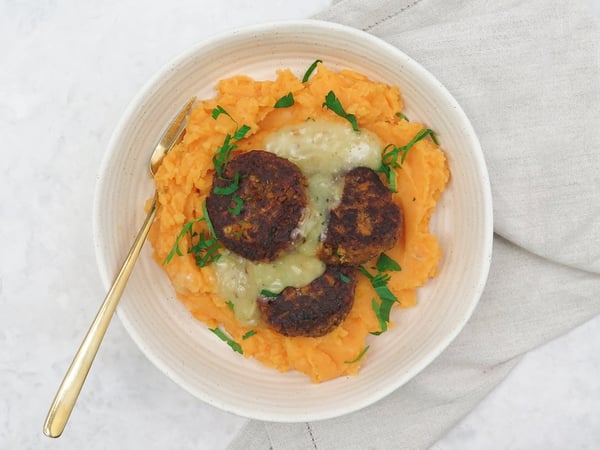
(267, 293)
(209, 224)
(229, 189)
(380, 319)
(333, 103)
(187, 227)
(241, 132)
(206, 249)
(379, 282)
(230, 304)
(402, 116)
(223, 153)
(344, 278)
(385, 263)
(286, 101)
(220, 161)
(234, 345)
(221, 156)
(310, 70)
(387, 168)
(248, 334)
(220, 110)
(391, 153)
(359, 357)
(238, 204)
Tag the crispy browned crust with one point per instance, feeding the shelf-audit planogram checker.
(315, 309)
(366, 223)
(273, 192)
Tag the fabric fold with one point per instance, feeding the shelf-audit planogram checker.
(527, 75)
(520, 295)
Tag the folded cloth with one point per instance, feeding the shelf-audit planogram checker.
(527, 73)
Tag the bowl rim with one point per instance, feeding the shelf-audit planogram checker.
(140, 99)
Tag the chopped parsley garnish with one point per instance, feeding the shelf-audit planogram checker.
(344, 278)
(221, 156)
(359, 357)
(209, 224)
(241, 132)
(230, 304)
(234, 345)
(229, 189)
(333, 103)
(380, 319)
(391, 153)
(379, 281)
(402, 116)
(248, 334)
(267, 293)
(385, 263)
(187, 227)
(220, 110)
(310, 70)
(286, 101)
(221, 159)
(238, 204)
(206, 248)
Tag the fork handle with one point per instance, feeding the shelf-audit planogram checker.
(71, 385)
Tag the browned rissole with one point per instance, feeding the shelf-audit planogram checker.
(366, 222)
(315, 309)
(273, 195)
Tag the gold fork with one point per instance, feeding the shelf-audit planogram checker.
(69, 389)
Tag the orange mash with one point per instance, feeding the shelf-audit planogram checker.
(185, 178)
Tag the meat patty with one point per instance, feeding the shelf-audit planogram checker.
(315, 309)
(366, 223)
(272, 196)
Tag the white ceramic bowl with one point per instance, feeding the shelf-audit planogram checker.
(183, 348)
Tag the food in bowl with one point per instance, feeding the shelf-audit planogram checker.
(295, 214)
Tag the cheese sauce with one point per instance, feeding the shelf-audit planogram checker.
(323, 151)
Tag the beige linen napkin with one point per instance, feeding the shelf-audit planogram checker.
(527, 74)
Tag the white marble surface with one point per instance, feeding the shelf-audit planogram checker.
(67, 71)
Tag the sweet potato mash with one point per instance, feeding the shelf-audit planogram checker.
(185, 178)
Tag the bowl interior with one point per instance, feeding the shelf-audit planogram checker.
(182, 347)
